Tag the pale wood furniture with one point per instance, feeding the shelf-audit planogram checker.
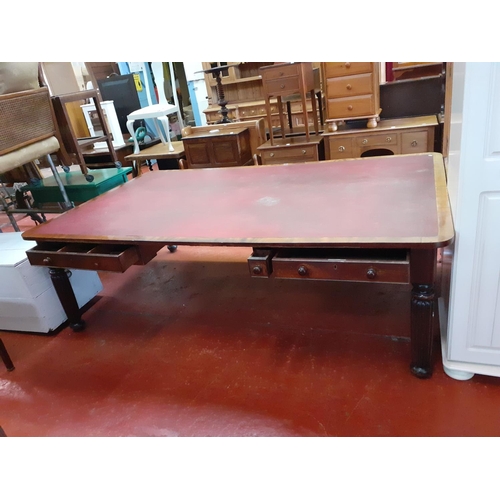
(398, 136)
(296, 149)
(217, 147)
(351, 92)
(162, 154)
(398, 215)
(281, 80)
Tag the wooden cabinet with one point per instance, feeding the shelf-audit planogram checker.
(398, 136)
(218, 148)
(351, 92)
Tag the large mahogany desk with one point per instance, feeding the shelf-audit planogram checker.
(377, 219)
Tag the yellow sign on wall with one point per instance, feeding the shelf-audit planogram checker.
(138, 83)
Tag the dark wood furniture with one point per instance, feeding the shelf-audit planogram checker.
(292, 150)
(74, 144)
(218, 147)
(373, 220)
(286, 79)
(4, 355)
(398, 136)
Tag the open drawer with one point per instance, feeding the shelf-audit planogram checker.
(343, 264)
(117, 258)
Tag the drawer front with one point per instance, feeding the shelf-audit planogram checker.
(349, 85)
(333, 69)
(260, 263)
(280, 72)
(351, 107)
(377, 140)
(416, 142)
(338, 149)
(284, 86)
(301, 154)
(255, 111)
(116, 258)
(378, 270)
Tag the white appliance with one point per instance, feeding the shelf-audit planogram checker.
(28, 300)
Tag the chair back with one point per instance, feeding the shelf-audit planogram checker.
(157, 68)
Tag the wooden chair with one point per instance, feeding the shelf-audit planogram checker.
(159, 113)
(29, 132)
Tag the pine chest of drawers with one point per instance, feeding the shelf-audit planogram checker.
(352, 91)
(398, 136)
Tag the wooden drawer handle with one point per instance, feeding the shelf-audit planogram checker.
(302, 270)
(349, 107)
(371, 273)
(348, 86)
(281, 73)
(348, 65)
(257, 270)
(414, 143)
(341, 149)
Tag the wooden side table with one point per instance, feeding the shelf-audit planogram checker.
(280, 80)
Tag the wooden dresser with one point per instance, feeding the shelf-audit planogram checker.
(218, 147)
(351, 92)
(397, 136)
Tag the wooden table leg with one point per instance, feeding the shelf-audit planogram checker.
(5, 357)
(66, 295)
(422, 276)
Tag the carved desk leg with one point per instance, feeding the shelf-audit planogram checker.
(67, 297)
(422, 275)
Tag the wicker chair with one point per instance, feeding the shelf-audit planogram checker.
(28, 132)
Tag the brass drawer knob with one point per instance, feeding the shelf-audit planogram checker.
(281, 73)
(414, 143)
(388, 139)
(257, 270)
(282, 86)
(347, 65)
(365, 141)
(349, 107)
(348, 86)
(304, 151)
(271, 154)
(371, 273)
(302, 270)
(47, 260)
(341, 149)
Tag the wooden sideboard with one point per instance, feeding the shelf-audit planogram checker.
(351, 92)
(218, 147)
(397, 136)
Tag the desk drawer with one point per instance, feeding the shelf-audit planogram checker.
(377, 140)
(380, 266)
(415, 142)
(304, 153)
(338, 149)
(284, 86)
(117, 258)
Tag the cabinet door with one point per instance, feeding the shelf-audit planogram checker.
(197, 153)
(474, 188)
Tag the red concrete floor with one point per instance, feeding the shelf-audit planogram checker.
(190, 345)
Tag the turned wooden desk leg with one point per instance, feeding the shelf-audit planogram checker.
(422, 275)
(66, 295)
(5, 357)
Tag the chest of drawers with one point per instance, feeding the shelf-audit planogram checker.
(351, 92)
(398, 136)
